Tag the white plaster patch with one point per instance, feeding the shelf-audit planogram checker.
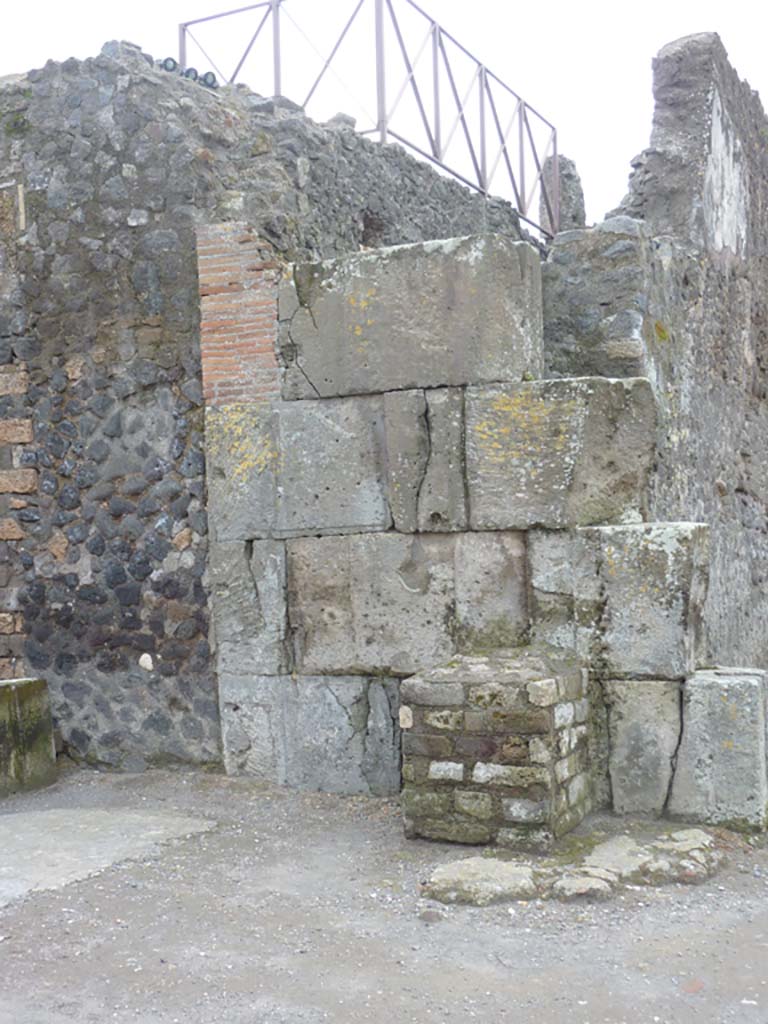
(725, 186)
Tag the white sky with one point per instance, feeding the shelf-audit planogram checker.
(585, 65)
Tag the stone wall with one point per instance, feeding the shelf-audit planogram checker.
(673, 287)
(106, 168)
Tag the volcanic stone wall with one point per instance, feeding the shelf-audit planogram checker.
(106, 168)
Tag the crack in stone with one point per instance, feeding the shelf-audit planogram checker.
(673, 759)
(425, 417)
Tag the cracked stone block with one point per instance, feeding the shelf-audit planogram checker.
(407, 453)
(654, 583)
(242, 458)
(442, 503)
(433, 314)
(334, 735)
(394, 604)
(27, 753)
(331, 475)
(558, 453)
(722, 773)
(490, 749)
(644, 732)
(248, 586)
(566, 592)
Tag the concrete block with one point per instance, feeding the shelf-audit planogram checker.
(654, 583)
(248, 600)
(331, 476)
(722, 773)
(242, 458)
(335, 735)
(558, 453)
(434, 314)
(370, 603)
(27, 753)
(644, 732)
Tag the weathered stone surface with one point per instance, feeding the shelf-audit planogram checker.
(644, 729)
(722, 772)
(557, 453)
(654, 582)
(442, 501)
(408, 449)
(248, 581)
(337, 734)
(242, 459)
(331, 472)
(480, 881)
(569, 192)
(394, 604)
(27, 754)
(581, 886)
(407, 317)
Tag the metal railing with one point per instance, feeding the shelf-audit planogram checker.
(431, 95)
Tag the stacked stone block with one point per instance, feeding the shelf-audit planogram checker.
(27, 755)
(18, 491)
(495, 749)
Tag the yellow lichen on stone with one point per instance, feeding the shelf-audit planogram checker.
(238, 437)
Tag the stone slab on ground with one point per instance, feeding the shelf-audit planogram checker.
(444, 313)
(687, 856)
(722, 765)
(27, 752)
(558, 453)
(49, 849)
(337, 734)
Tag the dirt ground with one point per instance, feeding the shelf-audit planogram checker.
(303, 908)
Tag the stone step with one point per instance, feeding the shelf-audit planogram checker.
(27, 752)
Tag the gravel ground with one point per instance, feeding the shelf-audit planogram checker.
(307, 907)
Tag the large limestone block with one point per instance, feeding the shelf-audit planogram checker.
(336, 735)
(242, 460)
(330, 467)
(373, 603)
(644, 732)
(455, 312)
(27, 754)
(722, 773)
(653, 582)
(248, 600)
(558, 453)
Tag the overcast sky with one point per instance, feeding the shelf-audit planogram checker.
(585, 65)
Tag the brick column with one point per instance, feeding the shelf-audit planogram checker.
(239, 277)
(17, 483)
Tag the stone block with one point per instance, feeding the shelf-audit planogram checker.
(18, 481)
(654, 582)
(248, 599)
(644, 733)
(558, 453)
(331, 475)
(336, 735)
(721, 776)
(27, 753)
(407, 453)
(242, 457)
(15, 431)
(434, 314)
(442, 503)
(526, 789)
(370, 603)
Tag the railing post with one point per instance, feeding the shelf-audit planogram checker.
(182, 45)
(276, 61)
(555, 199)
(483, 155)
(438, 154)
(381, 85)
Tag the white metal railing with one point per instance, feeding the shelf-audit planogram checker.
(431, 95)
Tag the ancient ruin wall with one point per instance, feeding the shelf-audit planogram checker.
(106, 167)
(674, 286)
